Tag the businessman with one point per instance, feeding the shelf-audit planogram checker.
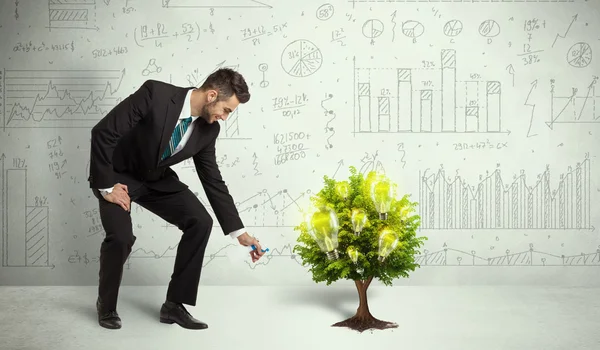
(132, 150)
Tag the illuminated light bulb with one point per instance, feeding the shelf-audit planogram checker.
(342, 188)
(404, 212)
(359, 219)
(388, 240)
(324, 229)
(383, 193)
(353, 254)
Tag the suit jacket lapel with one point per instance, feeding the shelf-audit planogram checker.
(174, 107)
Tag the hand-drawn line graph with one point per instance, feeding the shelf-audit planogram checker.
(275, 253)
(72, 14)
(25, 228)
(447, 203)
(214, 4)
(576, 108)
(388, 100)
(529, 257)
(58, 98)
(265, 209)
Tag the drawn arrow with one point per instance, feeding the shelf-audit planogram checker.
(511, 71)
(340, 163)
(566, 31)
(533, 86)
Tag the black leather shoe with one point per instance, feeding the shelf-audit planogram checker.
(107, 319)
(176, 313)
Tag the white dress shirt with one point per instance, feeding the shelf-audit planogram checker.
(185, 113)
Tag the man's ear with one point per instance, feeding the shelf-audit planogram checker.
(212, 95)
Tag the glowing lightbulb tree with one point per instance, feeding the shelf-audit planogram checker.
(383, 192)
(353, 254)
(342, 188)
(324, 230)
(388, 241)
(377, 231)
(359, 219)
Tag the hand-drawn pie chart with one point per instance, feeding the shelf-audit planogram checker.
(301, 58)
(580, 55)
(372, 28)
(412, 29)
(453, 27)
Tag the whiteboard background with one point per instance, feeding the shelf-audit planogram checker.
(519, 63)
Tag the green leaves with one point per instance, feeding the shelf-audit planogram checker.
(402, 219)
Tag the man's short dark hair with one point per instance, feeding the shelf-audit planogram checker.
(227, 82)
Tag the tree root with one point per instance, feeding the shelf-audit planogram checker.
(363, 323)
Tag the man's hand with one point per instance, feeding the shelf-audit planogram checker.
(120, 196)
(246, 240)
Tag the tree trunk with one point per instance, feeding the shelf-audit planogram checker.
(363, 319)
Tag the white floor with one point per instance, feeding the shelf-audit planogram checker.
(489, 318)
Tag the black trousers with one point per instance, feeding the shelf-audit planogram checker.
(182, 209)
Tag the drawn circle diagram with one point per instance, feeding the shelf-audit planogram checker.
(372, 28)
(453, 27)
(301, 58)
(263, 67)
(325, 12)
(580, 55)
(412, 29)
(489, 28)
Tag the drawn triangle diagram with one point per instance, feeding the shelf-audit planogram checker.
(214, 4)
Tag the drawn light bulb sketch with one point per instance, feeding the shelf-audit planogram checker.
(489, 28)
(579, 55)
(413, 29)
(453, 27)
(372, 29)
(301, 58)
(263, 67)
(151, 68)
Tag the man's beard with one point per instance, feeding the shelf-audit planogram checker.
(204, 114)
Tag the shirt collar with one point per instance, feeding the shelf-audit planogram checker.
(187, 107)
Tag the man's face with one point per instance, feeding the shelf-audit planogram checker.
(219, 110)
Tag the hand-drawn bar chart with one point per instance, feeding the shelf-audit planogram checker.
(491, 204)
(25, 228)
(58, 98)
(230, 129)
(388, 100)
(72, 14)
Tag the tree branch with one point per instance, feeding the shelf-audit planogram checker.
(368, 282)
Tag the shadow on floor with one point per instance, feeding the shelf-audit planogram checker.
(343, 301)
(86, 309)
(149, 308)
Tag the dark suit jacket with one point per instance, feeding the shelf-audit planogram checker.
(127, 143)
